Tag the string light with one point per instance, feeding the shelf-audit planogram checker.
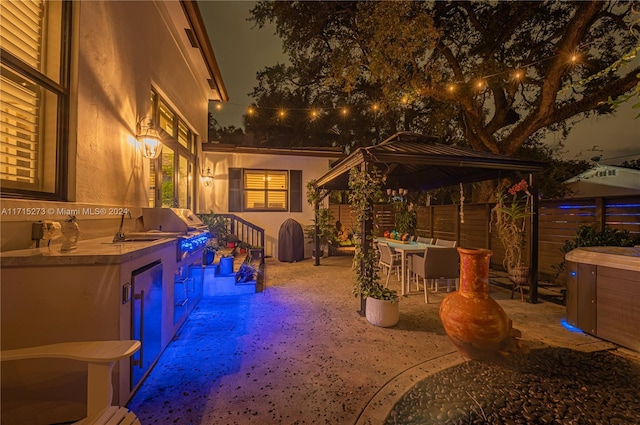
(514, 75)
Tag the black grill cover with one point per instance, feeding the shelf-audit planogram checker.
(290, 241)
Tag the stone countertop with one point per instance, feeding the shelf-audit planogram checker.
(625, 258)
(89, 252)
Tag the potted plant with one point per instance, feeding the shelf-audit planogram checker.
(231, 240)
(247, 272)
(324, 220)
(510, 213)
(243, 247)
(210, 250)
(218, 226)
(405, 218)
(326, 230)
(381, 306)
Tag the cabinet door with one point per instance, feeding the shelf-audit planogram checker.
(587, 298)
(146, 323)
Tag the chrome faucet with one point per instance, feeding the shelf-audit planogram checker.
(119, 237)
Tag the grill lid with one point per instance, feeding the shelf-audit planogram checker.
(171, 220)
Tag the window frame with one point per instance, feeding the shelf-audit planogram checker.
(62, 91)
(235, 186)
(179, 151)
(266, 190)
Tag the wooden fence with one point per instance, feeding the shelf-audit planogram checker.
(558, 221)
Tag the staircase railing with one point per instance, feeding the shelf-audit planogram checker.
(247, 232)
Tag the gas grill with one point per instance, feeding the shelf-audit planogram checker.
(181, 223)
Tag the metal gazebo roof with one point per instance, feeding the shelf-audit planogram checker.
(418, 162)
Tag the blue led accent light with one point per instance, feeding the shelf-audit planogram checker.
(192, 244)
(574, 274)
(568, 326)
(574, 207)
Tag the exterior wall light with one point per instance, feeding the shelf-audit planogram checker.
(207, 177)
(149, 138)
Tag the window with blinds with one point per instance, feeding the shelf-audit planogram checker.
(33, 97)
(265, 190)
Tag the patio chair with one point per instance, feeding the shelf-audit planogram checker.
(100, 357)
(389, 260)
(446, 243)
(436, 264)
(419, 239)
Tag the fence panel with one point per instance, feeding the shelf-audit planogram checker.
(474, 232)
(558, 221)
(623, 214)
(445, 222)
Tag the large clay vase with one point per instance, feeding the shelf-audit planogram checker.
(474, 322)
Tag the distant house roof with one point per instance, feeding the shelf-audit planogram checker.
(605, 180)
(418, 162)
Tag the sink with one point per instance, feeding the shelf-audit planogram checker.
(130, 240)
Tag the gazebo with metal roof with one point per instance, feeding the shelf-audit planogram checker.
(419, 162)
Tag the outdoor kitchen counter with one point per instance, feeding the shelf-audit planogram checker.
(89, 252)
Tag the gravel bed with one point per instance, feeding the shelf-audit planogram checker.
(546, 386)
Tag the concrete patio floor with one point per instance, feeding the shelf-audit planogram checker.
(299, 353)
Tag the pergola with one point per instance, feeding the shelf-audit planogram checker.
(417, 162)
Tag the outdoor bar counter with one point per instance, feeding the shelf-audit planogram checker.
(603, 293)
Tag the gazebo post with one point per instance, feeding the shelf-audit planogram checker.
(533, 243)
(366, 227)
(316, 209)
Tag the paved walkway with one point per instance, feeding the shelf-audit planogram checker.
(299, 353)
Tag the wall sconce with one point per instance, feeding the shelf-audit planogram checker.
(149, 138)
(207, 177)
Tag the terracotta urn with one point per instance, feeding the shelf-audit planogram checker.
(475, 323)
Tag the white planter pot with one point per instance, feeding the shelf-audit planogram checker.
(382, 313)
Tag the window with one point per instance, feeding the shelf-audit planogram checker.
(34, 98)
(175, 167)
(264, 190)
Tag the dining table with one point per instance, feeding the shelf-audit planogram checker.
(404, 249)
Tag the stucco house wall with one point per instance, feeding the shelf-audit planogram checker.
(216, 197)
(121, 50)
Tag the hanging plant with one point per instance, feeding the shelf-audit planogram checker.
(365, 189)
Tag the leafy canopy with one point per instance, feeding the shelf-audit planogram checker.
(492, 75)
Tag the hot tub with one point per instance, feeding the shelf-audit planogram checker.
(603, 293)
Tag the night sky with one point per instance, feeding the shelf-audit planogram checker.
(241, 50)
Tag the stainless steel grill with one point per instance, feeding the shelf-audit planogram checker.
(181, 223)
